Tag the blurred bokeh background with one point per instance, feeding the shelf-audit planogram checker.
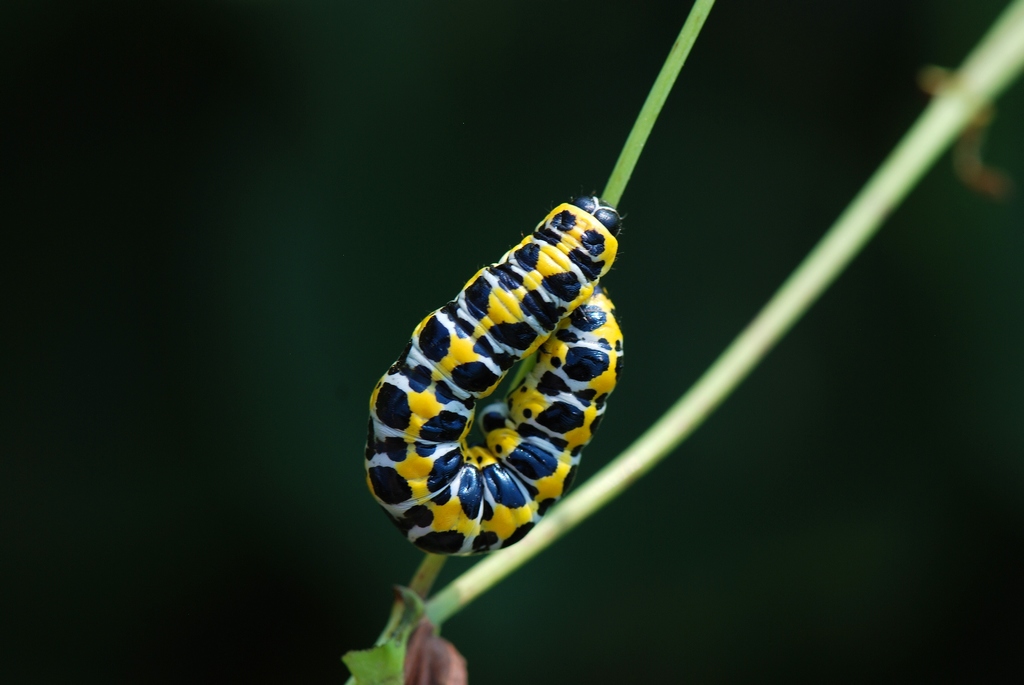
(223, 220)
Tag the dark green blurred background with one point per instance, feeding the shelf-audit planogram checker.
(223, 220)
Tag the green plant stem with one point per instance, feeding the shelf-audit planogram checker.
(524, 367)
(426, 574)
(644, 123)
(989, 69)
(624, 166)
(641, 131)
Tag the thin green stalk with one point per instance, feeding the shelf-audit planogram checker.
(426, 574)
(988, 70)
(431, 565)
(623, 169)
(655, 100)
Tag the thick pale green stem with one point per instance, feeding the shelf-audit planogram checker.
(995, 62)
(655, 100)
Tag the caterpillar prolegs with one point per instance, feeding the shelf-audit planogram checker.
(542, 296)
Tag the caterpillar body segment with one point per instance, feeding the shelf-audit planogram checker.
(542, 296)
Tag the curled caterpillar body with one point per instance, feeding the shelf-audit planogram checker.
(542, 296)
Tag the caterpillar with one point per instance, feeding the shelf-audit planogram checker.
(542, 296)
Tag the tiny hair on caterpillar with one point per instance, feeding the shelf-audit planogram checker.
(543, 296)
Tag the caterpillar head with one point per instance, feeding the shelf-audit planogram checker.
(602, 211)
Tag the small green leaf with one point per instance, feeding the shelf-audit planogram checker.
(380, 665)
